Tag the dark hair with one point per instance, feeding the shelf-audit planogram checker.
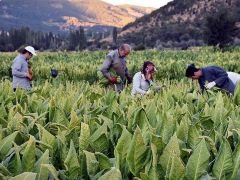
(145, 64)
(191, 69)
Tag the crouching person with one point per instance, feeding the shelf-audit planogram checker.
(216, 76)
(143, 80)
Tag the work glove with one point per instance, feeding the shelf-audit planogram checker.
(113, 80)
(148, 92)
(129, 79)
(210, 85)
(29, 76)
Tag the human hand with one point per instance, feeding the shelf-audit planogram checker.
(148, 92)
(30, 70)
(29, 76)
(113, 80)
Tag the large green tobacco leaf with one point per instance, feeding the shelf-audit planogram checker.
(92, 163)
(104, 161)
(172, 149)
(151, 169)
(113, 174)
(182, 130)
(4, 171)
(219, 111)
(44, 159)
(99, 139)
(224, 162)
(6, 144)
(15, 166)
(175, 168)
(140, 119)
(46, 137)
(28, 159)
(136, 155)
(236, 164)
(25, 176)
(122, 148)
(71, 162)
(236, 98)
(158, 142)
(198, 162)
(74, 122)
(84, 137)
(193, 136)
(168, 127)
(47, 170)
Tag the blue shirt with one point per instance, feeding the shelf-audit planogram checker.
(219, 76)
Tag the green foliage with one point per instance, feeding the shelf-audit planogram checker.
(68, 129)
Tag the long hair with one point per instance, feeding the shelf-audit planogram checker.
(145, 64)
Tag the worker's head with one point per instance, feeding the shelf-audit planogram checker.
(193, 72)
(28, 52)
(124, 50)
(148, 67)
(54, 73)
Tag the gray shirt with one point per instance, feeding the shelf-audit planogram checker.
(115, 62)
(19, 72)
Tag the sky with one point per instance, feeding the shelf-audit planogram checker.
(146, 3)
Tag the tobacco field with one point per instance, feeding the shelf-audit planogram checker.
(70, 127)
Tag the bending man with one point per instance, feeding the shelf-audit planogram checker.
(116, 63)
(216, 76)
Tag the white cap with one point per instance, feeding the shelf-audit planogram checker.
(31, 50)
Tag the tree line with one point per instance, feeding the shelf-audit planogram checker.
(74, 40)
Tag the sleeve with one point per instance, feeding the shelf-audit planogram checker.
(221, 75)
(106, 66)
(126, 72)
(202, 84)
(136, 84)
(16, 69)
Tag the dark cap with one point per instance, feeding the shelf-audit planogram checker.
(54, 73)
(191, 69)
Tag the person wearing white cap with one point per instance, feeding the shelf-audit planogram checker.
(21, 73)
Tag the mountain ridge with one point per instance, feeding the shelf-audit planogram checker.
(55, 15)
(178, 21)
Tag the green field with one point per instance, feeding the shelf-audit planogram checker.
(72, 128)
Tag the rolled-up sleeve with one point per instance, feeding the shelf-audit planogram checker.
(16, 69)
(106, 67)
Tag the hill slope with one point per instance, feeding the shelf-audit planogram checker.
(178, 21)
(53, 15)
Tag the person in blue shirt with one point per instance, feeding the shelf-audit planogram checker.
(216, 76)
